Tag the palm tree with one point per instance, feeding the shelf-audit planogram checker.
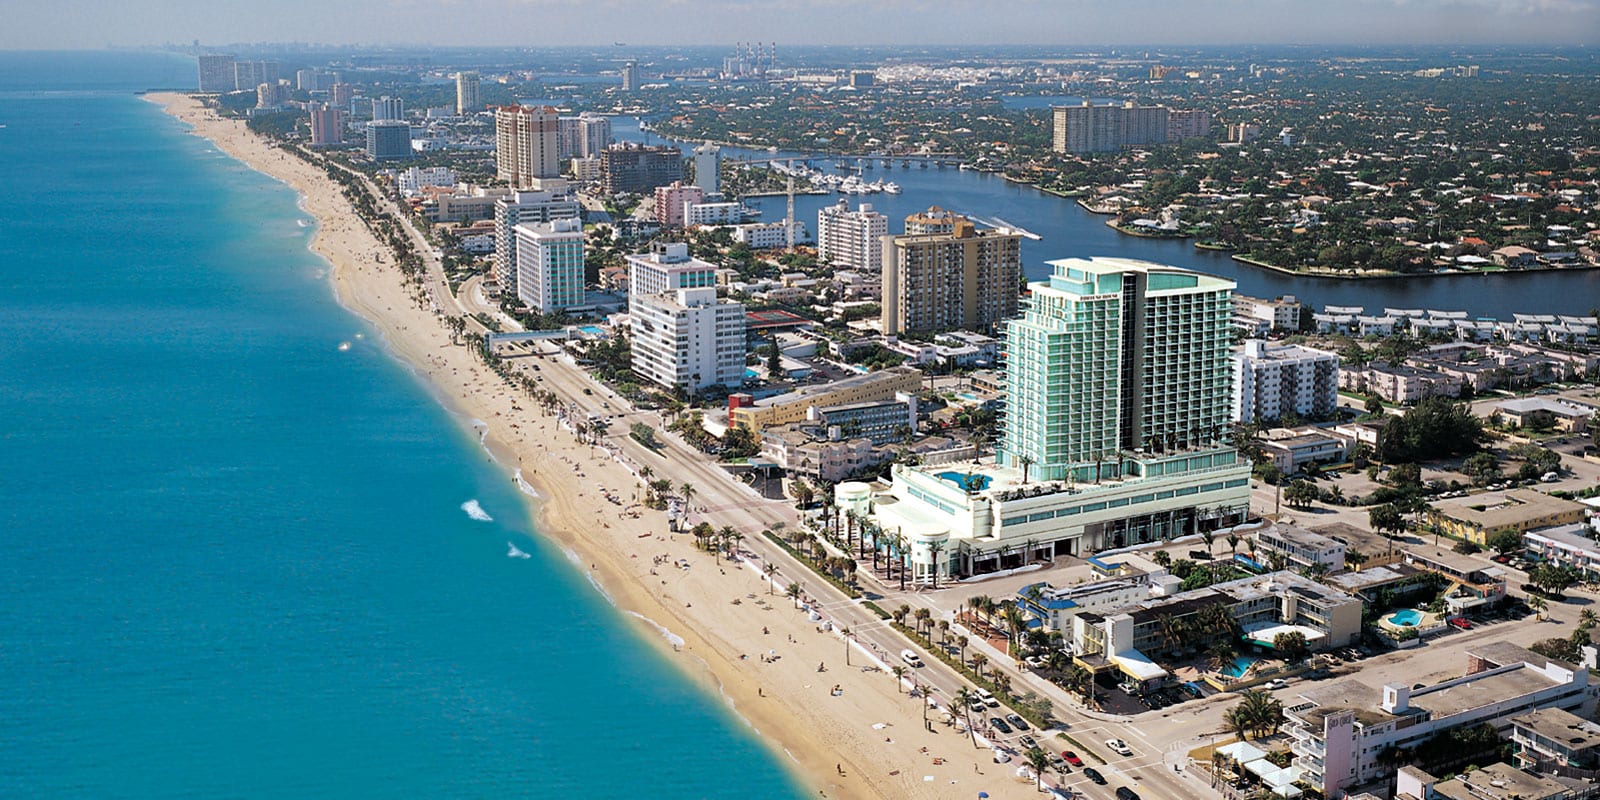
(769, 570)
(1233, 544)
(961, 645)
(1538, 605)
(1238, 720)
(849, 636)
(978, 660)
(899, 673)
(963, 699)
(793, 591)
(687, 491)
(1586, 618)
(1040, 762)
(1026, 461)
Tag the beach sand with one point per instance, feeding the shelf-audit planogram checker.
(865, 741)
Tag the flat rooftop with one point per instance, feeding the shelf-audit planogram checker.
(1564, 727)
(1498, 782)
(1479, 690)
(806, 392)
(1503, 509)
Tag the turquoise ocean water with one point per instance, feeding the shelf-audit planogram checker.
(233, 557)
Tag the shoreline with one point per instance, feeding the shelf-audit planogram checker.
(718, 614)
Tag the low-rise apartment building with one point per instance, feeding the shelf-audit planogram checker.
(794, 406)
(1477, 517)
(1567, 546)
(1343, 731)
(1263, 606)
(1302, 548)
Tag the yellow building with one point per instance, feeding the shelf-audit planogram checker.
(791, 407)
(1477, 517)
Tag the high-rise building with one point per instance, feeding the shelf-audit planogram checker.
(216, 74)
(667, 268)
(594, 134)
(966, 279)
(630, 76)
(708, 168)
(387, 107)
(570, 132)
(312, 80)
(340, 94)
(551, 202)
(327, 125)
(550, 265)
(1188, 124)
(467, 93)
(1091, 128)
(851, 239)
(636, 169)
(671, 200)
(271, 95)
(1273, 380)
(1114, 356)
(388, 139)
(247, 75)
(687, 339)
(527, 144)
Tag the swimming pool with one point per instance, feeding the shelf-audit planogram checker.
(1239, 666)
(970, 483)
(1406, 617)
(592, 330)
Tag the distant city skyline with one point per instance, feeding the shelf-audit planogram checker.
(36, 24)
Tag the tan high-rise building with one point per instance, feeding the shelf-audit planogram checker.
(467, 101)
(1090, 128)
(963, 279)
(527, 144)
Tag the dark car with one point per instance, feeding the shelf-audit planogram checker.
(1072, 758)
(1094, 775)
(1020, 723)
(1124, 793)
(999, 724)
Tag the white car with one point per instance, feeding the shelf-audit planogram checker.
(1276, 683)
(1001, 757)
(1119, 747)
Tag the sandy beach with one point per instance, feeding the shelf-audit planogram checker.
(849, 732)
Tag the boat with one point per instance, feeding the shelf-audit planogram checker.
(891, 187)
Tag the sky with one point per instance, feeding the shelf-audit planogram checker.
(76, 24)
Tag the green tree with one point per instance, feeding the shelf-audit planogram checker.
(1483, 468)
(1291, 645)
(1040, 762)
(1505, 542)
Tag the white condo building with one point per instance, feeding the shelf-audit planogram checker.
(1342, 731)
(387, 107)
(708, 168)
(851, 239)
(467, 100)
(520, 208)
(687, 339)
(550, 265)
(411, 182)
(1270, 381)
(667, 268)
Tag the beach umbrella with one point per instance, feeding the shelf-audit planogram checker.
(982, 795)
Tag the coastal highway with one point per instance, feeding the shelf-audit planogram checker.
(720, 499)
(444, 300)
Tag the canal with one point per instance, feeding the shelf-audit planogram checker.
(1068, 231)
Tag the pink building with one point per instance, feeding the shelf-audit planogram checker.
(671, 200)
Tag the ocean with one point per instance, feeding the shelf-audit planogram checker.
(243, 552)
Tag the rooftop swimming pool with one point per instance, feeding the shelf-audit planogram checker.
(970, 483)
(592, 330)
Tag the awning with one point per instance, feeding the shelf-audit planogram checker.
(1138, 666)
(1242, 752)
